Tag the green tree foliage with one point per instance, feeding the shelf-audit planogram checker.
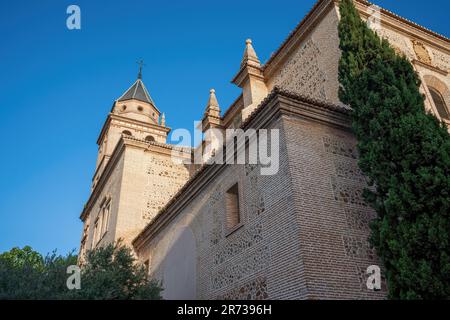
(109, 272)
(405, 153)
(26, 274)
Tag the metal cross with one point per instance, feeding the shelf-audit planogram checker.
(141, 64)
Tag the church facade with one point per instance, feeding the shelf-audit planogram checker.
(222, 231)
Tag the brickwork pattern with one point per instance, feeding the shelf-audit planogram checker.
(259, 260)
(333, 217)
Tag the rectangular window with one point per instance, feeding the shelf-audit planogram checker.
(232, 207)
(105, 217)
(96, 232)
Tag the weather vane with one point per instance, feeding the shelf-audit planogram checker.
(141, 64)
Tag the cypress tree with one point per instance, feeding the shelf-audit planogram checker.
(405, 155)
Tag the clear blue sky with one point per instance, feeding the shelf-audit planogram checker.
(57, 87)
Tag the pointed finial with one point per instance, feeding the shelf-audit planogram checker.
(141, 64)
(163, 120)
(250, 56)
(212, 108)
(212, 102)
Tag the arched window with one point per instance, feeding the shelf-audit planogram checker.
(149, 138)
(439, 103)
(126, 132)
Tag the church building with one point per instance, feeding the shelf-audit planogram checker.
(223, 231)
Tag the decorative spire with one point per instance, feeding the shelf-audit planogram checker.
(212, 103)
(250, 78)
(212, 108)
(141, 64)
(163, 120)
(250, 56)
(212, 118)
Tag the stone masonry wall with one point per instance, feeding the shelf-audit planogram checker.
(333, 218)
(150, 179)
(311, 68)
(111, 190)
(259, 260)
(304, 230)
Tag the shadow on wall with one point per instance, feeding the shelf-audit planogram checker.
(180, 267)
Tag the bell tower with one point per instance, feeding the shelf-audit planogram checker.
(135, 174)
(134, 114)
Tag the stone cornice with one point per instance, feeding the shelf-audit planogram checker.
(430, 67)
(113, 116)
(277, 103)
(245, 72)
(156, 147)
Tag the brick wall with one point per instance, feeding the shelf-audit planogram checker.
(333, 220)
(303, 231)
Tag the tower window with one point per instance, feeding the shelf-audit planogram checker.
(106, 211)
(126, 132)
(96, 237)
(439, 103)
(232, 207)
(140, 108)
(149, 138)
(124, 107)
